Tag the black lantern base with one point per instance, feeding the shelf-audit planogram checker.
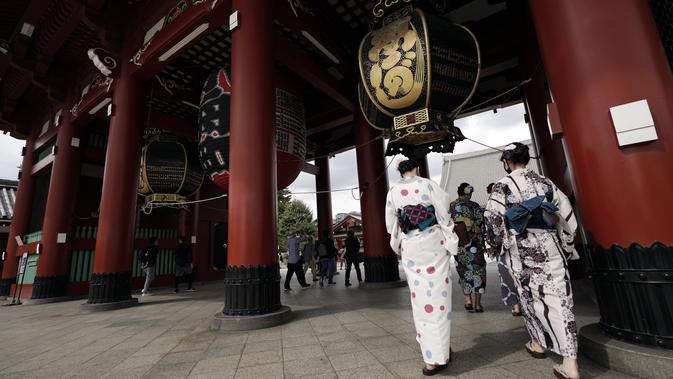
(634, 288)
(5, 286)
(45, 287)
(381, 269)
(251, 290)
(109, 287)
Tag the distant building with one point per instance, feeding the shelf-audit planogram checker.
(345, 222)
(479, 169)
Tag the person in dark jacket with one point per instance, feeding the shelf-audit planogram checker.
(148, 260)
(183, 264)
(326, 253)
(351, 256)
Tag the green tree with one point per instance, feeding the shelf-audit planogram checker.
(296, 219)
(284, 197)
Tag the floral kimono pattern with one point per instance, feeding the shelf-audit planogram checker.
(425, 256)
(470, 262)
(537, 259)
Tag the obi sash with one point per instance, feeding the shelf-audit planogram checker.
(534, 213)
(418, 216)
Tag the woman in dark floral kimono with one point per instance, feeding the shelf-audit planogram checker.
(470, 262)
(531, 222)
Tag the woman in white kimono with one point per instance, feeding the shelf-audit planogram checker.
(421, 231)
(533, 222)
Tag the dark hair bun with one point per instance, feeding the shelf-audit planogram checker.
(406, 166)
(519, 154)
(461, 188)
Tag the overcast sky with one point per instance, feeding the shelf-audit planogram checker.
(494, 129)
(490, 128)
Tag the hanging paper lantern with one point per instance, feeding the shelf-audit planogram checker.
(214, 124)
(417, 71)
(169, 169)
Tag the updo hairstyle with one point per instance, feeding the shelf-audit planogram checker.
(406, 166)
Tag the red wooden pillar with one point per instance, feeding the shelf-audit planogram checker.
(323, 197)
(380, 260)
(600, 54)
(252, 277)
(424, 168)
(21, 217)
(111, 278)
(182, 224)
(53, 266)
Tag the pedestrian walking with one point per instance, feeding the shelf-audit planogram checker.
(326, 253)
(532, 223)
(308, 253)
(351, 257)
(421, 231)
(184, 265)
(148, 260)
(295, 264)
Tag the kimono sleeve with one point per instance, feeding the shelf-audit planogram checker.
(567, 222)
(440, 201)
(497, 237)
(392, 225)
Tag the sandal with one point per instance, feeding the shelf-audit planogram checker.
(516, 314)
(561, 374)
(533, 353)
(468, 307)
(438, 368)
(479, 310)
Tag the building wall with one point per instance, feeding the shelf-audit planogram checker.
(478, 169)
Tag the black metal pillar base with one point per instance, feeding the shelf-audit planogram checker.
(5, 286)
(113, 287)
(634, 288)
(240, 323)
(45, 287)
(251, 290)
(635, 360)
(381, 269)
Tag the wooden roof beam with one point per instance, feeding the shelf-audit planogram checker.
(313, 72)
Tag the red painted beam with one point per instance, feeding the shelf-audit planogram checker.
(313, 72)
(178, 126)
(150, 58)
(331, 124)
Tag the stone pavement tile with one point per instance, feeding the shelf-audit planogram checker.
(331, 375)
(181, 357)
(223, 374)
(531, 368)
(256, 347)
(306, 352)
(191, 346)
(589, 369)
(230, 339)
(400, 328)
(217, 364)
(269, 334)
(370, 332)
(268, 371)
(350, 317)
(178, 370)
(132, 373)
(138, 361)
(410, 368)
(380, 342)
(152, 349)
(394, 353)
(21, 375)
(308, 367)
(376, 371)
(260, 358)
(490, 372)
(327, 329)
(340, 335)
(324, 321)
(223, 351)
(341, 347)
(293, 341)
(352, 360)
(26, 365)
(359, 325)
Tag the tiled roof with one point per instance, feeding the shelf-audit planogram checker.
(7, 198)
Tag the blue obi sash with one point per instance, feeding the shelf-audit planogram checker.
(535, 213)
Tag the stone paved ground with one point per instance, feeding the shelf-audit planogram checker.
(336, 332)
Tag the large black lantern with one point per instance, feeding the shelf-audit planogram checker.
(418, 71)
(169, 169)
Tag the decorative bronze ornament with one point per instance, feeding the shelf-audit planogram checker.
(169, 168)
(417, 72)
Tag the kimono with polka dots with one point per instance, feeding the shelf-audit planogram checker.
(425, 256)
